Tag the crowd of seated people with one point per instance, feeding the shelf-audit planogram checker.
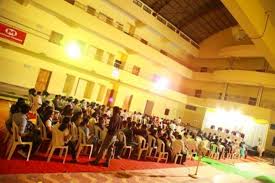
(66, 116)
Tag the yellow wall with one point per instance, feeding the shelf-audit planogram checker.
(20, 64)
(210, 47)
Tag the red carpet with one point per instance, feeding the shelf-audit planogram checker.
(39, 165)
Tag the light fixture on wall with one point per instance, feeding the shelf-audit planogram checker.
(73, 49)
(161, 83)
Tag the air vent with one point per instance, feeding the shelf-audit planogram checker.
(203, 69)
(252, 101)
(163, 52)
(144, 41)
(91, 10)
(55, 37)
(191, 107)
(70, 1)
(198, 93)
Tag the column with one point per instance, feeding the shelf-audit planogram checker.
(259, 96)
(224, 91)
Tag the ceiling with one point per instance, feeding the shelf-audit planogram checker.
(198, 19)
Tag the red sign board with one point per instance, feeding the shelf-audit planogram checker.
(12, 34)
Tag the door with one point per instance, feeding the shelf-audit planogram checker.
(80, 88)
(127, 102)
(109, 98)
(43, 80)
(149, 107)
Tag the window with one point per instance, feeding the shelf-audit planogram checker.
(252, 101)
(198, 93)
(111, 59)
(55, 37)
(191, 107)
(91, 52)
(203, 69)
(105, 57)
(69, 83)
(99, 54)
(136, 70)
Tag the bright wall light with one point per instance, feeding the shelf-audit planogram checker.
(115, 73)
(73, 50)
(161, 83)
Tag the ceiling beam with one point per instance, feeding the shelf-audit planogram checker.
(159, 4)
(203, 11)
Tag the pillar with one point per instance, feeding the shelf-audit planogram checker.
(259, 96)
(224, 91)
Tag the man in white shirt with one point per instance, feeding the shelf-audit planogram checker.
(179, 121)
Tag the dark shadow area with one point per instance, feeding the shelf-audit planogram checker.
(265, 179)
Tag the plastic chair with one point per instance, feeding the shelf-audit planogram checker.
(162, 155)
(16, 140)
(214, 153)
(141, 146)
(191, 146)
(43, 135)
(7, 136)
(151, 146)
(82, 143)
(177, 156)
(55, 146)
(125, 147)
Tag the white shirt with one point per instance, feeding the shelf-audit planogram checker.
(59, 136)
(177, 146)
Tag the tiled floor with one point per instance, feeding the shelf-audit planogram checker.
(207, 174)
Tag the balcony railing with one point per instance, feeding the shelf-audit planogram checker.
(147, 9)
(119, 26)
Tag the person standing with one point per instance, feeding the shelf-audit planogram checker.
(110, 139)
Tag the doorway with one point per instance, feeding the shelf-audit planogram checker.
(127, 102)
(43, 80)
(149, 107)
